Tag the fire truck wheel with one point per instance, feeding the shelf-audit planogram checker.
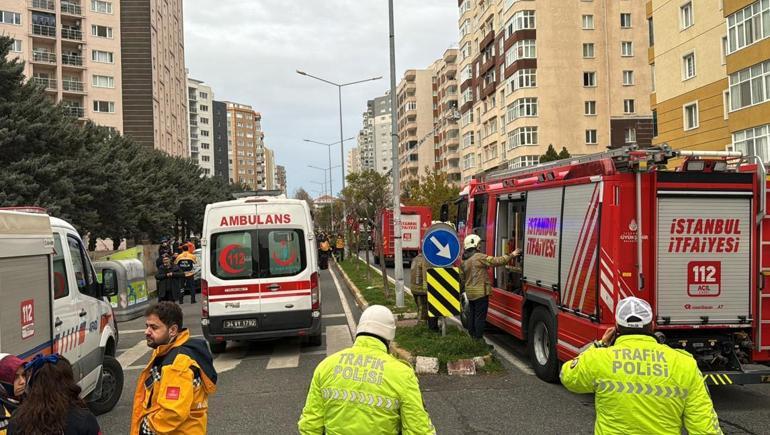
(217, 346)
(542, 345)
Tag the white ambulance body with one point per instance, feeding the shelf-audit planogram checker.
(259, 276)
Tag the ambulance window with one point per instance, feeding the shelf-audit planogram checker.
(60, 288)
(231, 257)
(79, 264)
(462, 213)
(281, 253)
(480, 215)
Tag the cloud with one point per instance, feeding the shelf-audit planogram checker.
(248, 51)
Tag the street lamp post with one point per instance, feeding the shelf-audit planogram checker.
(342, 145)
(399, 259)
(331, 204)
(329, 146)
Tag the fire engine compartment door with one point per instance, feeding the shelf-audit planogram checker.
(410, 231)
(704, 257)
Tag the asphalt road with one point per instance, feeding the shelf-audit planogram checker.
(262, 386)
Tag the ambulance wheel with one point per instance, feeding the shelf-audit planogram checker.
(218, 346)
(112, 386)
(542, 345)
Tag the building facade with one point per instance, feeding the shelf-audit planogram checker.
(353, 163)
(222, 156)
(280, 177)
(374, 140)
(365, 140)
(446, 116)
(270, 178)
(711, 61)
(245, 139)
(72, 50)
(533, 73)
(201, 112)
(415, 124)
(153, 74)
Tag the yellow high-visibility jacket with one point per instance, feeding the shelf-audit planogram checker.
(643, 387)
(364, 390)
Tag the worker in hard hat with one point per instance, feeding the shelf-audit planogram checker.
(474, 275)
(640, 385)
(363, 389)
(419, 277)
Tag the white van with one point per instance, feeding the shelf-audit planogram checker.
(259, 276)
(52, 303)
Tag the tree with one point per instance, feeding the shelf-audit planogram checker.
(303, 195)
(327, 215)
(564, 154)
(433, 190)
(550, 155)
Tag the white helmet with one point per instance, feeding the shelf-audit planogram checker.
(378, 320)
(633, 312)
(471, 241)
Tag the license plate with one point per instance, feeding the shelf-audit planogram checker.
(240, 324)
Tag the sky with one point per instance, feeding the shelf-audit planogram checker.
(248, 52)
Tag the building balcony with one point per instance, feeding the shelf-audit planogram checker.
(47, 83)
(44, 5)
(73, 86)
(193, 123)
(193, 109)
(43, 57)
(73, 9)
(194, 149)
(192, 96)
(72, 60)
(194, 136)
(71, 34)
(76, 111)
(39, 30)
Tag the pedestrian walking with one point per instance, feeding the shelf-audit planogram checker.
(52, 404)
(169, 280)
(172, 391)
(474, 275)
(365, 390)
(324, 249)
(339, 248)
(13, 381)
(186, 262)
(640, 385)
(419, 277)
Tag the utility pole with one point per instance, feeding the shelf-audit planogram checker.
(399, 260)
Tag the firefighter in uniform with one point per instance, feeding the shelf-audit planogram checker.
(419, 276)
(363, 389)
(641, 386)
(474, 275)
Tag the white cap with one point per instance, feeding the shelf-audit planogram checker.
(633, 312)
(378, 320)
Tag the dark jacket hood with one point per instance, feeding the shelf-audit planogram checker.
(198, 350)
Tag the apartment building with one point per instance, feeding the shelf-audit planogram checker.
(153, 74)
(533, 73)
(381, 134)
(446, 116)
(245, 138)
(200, 100)
(270, 179)
(72, 50)
(353, 163)
(222, 154)
(365, 151)
(280, 177)
(711, 61)
(415, 124)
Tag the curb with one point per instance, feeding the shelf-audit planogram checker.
(359, 298)
(401, 353)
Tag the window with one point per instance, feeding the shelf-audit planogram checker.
(103, 81)
(469, 161)
(203, 95)
(748, 25)
(588, 50)
(589, 108)
(60, 287)
(10, 18)
(685, 15)
(589, 79)
(16, 47)
(524, 161)
(203, 108)
(204, 120)
(626, 48)
(525, 49)
(628, 78)
(523, 78)
(625, 21)
(688, 66)
(588, 22)
(724, 50)
(102, 56)
(753, 141)
(522, 20)
(84, 277)
(205, 158)
(101, 31)
(521, 108)
(466, 73)
(522, 136)
(591, 137)
(468, 139)
(690, 116)
(104, 106)
(630, 135)
(103, 7)
(750, 86)
(629, 106)
(205, 146)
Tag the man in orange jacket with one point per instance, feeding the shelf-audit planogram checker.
(172, 391)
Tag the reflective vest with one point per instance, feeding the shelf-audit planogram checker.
(340, 243)
(325, 245)
(364, 390)
(642, 387)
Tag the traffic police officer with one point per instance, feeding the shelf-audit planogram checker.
(365, 390)
(641, 386)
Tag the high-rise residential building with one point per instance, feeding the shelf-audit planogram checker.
(711, 61)
(153, 74)
(201, 111)
(270, 179)
(280, 176)
(245, 138)
(533, 73)
(446, 116)
(72, 50)
(365, 141)
(222, 156)
(415, 123)
(374, 141)
(353, 164)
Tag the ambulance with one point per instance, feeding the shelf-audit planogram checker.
(52, 303)
(259, 276)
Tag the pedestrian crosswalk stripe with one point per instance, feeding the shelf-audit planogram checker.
(443, 292)
(285, 355)
(666, 392)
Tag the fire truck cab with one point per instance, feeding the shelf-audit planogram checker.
(694, 242)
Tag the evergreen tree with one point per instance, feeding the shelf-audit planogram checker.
(564, 154)
(550, 155)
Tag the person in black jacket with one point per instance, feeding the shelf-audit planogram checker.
(53, 404)
(170, 280)
(13, 381)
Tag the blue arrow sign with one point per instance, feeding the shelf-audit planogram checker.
(441, 247)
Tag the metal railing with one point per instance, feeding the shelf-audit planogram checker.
(75, 111)
(43, 56)
(45, 82)
(72, 59)
(43, 4)
(193, 122)
(72, 34)
(194, 135)
(193, 110)
(41, 30)
(71, 9)
(72, 85)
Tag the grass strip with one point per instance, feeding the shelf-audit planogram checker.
(457, 344)
(371, 288)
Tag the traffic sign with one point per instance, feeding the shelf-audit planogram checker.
(440, 246)
(443, 291)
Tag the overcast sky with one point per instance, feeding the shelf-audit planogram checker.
(248, 51)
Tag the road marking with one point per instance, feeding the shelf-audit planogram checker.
(333, 316)
(337, 338)
(134, 353)
(228, 361)
(285, 355)
(131, 331)
(345, 306)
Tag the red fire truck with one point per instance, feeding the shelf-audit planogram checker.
(414, 221)
(694, 242)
